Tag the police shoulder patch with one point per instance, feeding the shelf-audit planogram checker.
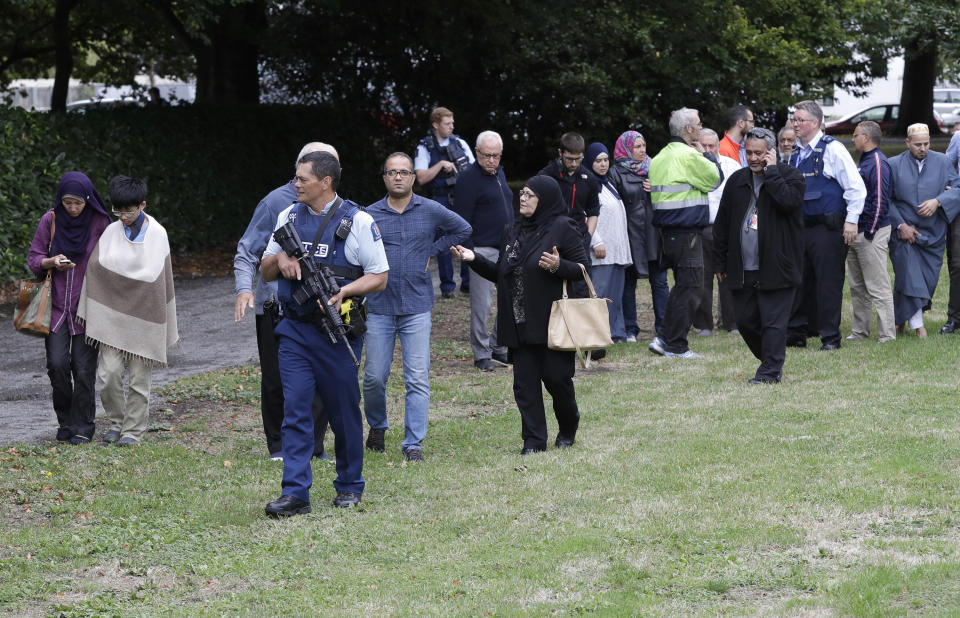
(375, 231)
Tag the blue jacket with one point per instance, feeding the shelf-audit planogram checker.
(246, 263)
(485, 201)
(875, 171)
(824, 195)
(408, 240)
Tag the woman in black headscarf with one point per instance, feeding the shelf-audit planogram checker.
(75, 223)
(540, 249)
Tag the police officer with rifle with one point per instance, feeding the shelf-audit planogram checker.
(321, 284)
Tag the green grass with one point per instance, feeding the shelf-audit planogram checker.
(689, 492)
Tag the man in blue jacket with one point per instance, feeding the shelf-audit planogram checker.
(867, 260)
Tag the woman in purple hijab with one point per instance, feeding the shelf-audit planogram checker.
(76, 222)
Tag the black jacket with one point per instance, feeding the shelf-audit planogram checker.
(581, 192)
(644, 239)
(541, 288)
(780, 222)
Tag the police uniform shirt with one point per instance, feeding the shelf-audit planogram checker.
(839, 165)
(363, 246)
(422, 160)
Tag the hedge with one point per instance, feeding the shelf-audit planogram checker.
(206, 167)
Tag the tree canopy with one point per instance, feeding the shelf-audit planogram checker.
(530, 69)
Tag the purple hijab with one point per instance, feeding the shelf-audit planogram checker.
(73, 233)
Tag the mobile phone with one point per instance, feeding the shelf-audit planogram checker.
(64, 261)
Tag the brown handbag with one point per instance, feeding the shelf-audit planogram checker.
(32, 316)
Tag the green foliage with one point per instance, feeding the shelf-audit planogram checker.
(206, 167)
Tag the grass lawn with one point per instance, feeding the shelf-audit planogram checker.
(689, 492)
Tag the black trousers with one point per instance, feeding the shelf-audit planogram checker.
(762, 317)
(681, 251)
(72, 367)
(820, 297)
(953, 267)
(703, 316)
(534, 365)
(271, 392)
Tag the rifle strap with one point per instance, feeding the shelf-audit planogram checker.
(323, 225)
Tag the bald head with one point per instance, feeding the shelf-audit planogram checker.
(317, 147)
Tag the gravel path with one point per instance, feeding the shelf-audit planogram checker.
(210, 340)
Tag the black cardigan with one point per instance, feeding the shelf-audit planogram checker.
(644, 238)
(780, 222)
(541, 287)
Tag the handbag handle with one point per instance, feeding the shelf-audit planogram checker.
(586, 277)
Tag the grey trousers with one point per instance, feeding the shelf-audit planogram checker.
(870, 285)
(482, 293)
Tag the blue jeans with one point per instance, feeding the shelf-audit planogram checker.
(659, 292)
(414, 332)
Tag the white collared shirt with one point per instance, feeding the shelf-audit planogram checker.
(839, 165)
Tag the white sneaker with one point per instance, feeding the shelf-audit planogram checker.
(276, 458)
(656, 346)
(631, 339)
(704, 332)
(687, 354)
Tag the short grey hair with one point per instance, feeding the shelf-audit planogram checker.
(489, 135)
(872, 130)
(785, 128)
(763, 134)
(316, 147)
(708, 133)
(680, 118)
(811, 107)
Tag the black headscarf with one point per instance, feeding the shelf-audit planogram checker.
(526, 230)
(73, 233)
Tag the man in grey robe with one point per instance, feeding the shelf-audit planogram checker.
(925, 198)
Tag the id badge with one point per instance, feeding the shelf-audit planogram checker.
(752, 223)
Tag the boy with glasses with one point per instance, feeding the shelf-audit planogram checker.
(129, 308)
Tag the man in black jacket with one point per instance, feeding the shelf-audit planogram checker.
(758, 245)
(580, 188)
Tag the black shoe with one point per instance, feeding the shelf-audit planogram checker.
(448, 294)
(948, 327)
(346, 499)
(563, 441)
(527, 450)
(465, 289)
(828, 347)
(500, 358)
(78, 439)
(796, 342)
(287, 506)
(412, 454)
(64, 434)
(484, 364)
(598, 354)
(764, 381)
(323, 455)
(375, 440)
(111, 436)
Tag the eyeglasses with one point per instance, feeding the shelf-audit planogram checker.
(491, 156)
(527, 194)
(573, 159)
(402, 173)
(856, 135)
(125, 213)
(801, 120)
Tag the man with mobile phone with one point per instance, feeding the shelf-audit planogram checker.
(758, 249)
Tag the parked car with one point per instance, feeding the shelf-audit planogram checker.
(885, 115)
(947, 102)
(103, 103)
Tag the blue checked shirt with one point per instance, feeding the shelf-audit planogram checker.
(408, 239)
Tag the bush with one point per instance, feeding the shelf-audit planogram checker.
(206, 167)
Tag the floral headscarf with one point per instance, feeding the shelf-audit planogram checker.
(623, 153)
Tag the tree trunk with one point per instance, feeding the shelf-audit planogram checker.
(227, 68)
(919, 78)
(63, 50)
